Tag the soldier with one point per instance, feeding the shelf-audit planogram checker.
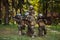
(20, 21)
(30, 21)
(41, 24)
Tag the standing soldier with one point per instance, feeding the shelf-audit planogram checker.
(20, 21)
(41, 24)
(30, 21)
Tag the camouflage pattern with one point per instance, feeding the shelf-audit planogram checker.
(20, 21)
(41, 23)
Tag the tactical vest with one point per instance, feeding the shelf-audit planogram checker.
(31, 20)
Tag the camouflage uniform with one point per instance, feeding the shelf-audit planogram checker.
(20, 21)
(30, 23)
(41, 23)
(30, 20)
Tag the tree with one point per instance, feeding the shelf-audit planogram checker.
(6, 17)
(0, 13)
(20, 5)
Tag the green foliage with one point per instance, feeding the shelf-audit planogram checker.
(39, 6)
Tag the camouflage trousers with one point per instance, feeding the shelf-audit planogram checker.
(30, 30)
(42, 30)
(21, 27)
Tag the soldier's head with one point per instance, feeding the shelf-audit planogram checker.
(27, 13)
(40, 15)
(18, 15)
(31, 7)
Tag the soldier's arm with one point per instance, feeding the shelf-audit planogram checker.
(14, 18)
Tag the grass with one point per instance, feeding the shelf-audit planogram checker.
(9, 32)
(55, 27)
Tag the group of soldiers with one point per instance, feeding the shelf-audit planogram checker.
(30, 20)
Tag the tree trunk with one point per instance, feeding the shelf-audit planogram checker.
(0, 14)
(6, 17)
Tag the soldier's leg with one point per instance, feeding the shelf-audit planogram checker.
(23, 25)
(19, 29)
(32, 31)
(40, 33)
(45, 30)
(23, 29)
(28, 30)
